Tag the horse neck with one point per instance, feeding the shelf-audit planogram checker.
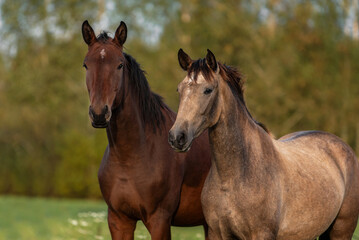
(239, 146)
(126, 132)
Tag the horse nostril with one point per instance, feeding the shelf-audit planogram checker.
(171, 138)
(91, 113)
(100, 118)
(181, 138)
(107, 113)
(105, 110)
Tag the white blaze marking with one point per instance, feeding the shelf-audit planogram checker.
(200, 79)
(189, 80)
(103, 53)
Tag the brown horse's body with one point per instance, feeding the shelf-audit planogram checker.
(140, 177)
(301, 186)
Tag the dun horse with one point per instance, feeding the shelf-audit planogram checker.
(301, 186)
(140, 177)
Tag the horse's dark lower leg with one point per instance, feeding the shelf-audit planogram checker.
(325, 235)
(205, 227)
(159, 228)
(121, 228)
(343, 229)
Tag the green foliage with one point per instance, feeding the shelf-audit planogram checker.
(299, 64)
(75, 174)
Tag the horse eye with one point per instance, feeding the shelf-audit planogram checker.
(120, 66)
(208, 91)
(84, 65)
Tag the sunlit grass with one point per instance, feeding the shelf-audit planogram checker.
(54, 219)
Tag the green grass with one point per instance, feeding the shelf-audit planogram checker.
(54, 219)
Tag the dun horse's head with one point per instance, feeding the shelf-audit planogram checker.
(104, 63)
(198, 108)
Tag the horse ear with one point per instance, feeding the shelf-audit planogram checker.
(184, 60)
(211, 61)
(87, 33)
(121, 34)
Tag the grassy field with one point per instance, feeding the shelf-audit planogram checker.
(53, 219)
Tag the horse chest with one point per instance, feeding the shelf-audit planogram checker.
(223, 216)
(233, 209)
(128, 192)
(219, 207)
(119, 190)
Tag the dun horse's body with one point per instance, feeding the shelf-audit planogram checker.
(140, 177)
(301, 186)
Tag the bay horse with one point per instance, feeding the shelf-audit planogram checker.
(304, 185)
(140, 177)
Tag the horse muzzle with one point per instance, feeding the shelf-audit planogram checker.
(100, 120)
(179, 141)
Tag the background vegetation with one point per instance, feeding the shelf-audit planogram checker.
(300, 59)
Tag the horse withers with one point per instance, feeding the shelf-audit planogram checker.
(140, 177)
(304, 185)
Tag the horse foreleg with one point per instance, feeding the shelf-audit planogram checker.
(205, 227)
(213, 235)
(121, 228)
(159, 227)
(264, 235)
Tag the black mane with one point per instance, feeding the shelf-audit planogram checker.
(150, 103)
(230, 75)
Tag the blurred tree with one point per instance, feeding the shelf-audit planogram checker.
(298, 59)
(46, 101)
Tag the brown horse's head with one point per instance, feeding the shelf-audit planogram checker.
(198, 107)
(104, 63)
